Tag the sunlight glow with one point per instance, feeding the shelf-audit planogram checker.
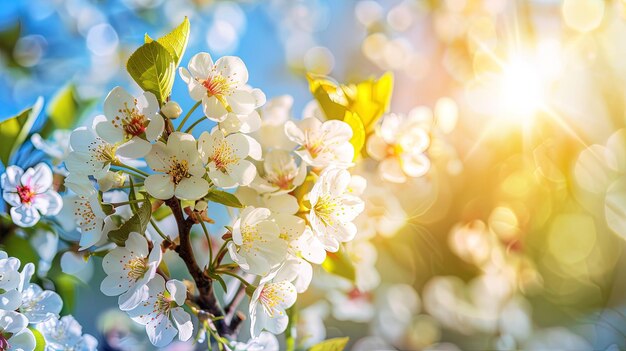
(522, 89)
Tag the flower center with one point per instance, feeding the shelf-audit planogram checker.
(313, 143)
(250, 237)
(223, 156)
(4, 343)
(178, 171)
(136, 267)
(270, 298)
(102, 151)
(325, 208)
(85, 217)
(162, 305)
(282, 178)
(25, 193)
(131, 121)
(135, 125)
(217, 85)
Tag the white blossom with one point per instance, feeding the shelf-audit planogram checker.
(129, 122)
(399, 144)
(180, 169)
(66, 334)
(322, 144)
(161, 313)
(129, 269)
(256, 246)
(333, 208)
(225, 157)
(30, 194)
(14, 332)
(268, 306)
(219, 85)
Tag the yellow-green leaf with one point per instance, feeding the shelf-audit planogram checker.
(64, 110)
(370, 99)
(153, 68)
(358, 132)
(329, 96)
(175, 41)
(40, 341)
(335, 344)
(223, 198)
(15, 130)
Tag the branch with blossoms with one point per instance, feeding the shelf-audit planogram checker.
(290, 183)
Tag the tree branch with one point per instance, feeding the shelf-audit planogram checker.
(206, 299)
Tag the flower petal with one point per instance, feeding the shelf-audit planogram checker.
(160, 186)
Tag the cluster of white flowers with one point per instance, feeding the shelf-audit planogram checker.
(293, 185)
(26, 308)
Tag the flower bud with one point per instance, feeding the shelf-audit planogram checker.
(201, 205)
(171, 109)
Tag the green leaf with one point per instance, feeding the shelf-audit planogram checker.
(335, 344)
(223, 198)
(175, 41)
(339, 263)
(137, 223)
(64, 110)
(153, 68)
(66, 286)
(15, 130)
(358, 132)
(40, 341)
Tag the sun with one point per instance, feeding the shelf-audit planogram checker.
(522, 88)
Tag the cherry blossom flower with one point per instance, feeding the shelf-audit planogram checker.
(10, 297)
(129, 122)
(264, 342)
(219, 85)
(399, 144)
(66, 333)
(333, 208)
(36, 304)
(268, 306)
(225, 157)
(90, 155)
(161, 313)
(322, 143)
(280, 173)
(180, 169)
(30, 194)
(92, 222)
(256, 246)
(274, 114)
(14, 332)
(129, 269)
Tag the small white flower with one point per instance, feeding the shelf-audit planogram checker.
(280, 174)
(39, 305)
(256, 246)
(180, 167)
(129, 269)
(66, 334)
(268, 305)
(30, 194)
(129, 122)
(333, 208)
(14, 334)
(399, 144)
(93, 223)
(90, 155)
(58, 147)
(171, 109)
(322, 144)
(161, 313)
(10, 278)
(219, 85)
(226, 158)
(264, 342)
